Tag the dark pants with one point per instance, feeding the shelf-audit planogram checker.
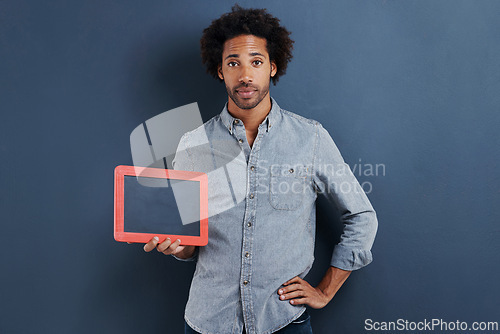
(302, 325)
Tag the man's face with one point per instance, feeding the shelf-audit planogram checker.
(246, 70)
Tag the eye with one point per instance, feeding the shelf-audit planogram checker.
(232, 63)
(257, 62)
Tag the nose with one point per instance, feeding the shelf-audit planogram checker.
(245, 74)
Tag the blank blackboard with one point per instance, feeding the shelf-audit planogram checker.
(153, 208)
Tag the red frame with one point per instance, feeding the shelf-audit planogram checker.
(121, 235)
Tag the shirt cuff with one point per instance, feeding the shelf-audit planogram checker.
(350, 259)
(194, 257)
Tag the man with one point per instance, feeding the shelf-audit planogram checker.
(249, 277)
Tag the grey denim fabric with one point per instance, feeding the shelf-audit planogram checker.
(262, 217)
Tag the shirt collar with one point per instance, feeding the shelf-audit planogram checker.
(271, 119)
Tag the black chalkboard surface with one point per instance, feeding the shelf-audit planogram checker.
(153, 209)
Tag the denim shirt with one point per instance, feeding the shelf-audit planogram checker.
(262, 217)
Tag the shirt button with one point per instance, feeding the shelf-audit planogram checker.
(236, 121)
(240, 141)
(291, 170)
(251, 196)
(245, 282)
(247, 254)
(252, 168)
(249, 224)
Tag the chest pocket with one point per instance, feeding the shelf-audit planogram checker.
(287, 186)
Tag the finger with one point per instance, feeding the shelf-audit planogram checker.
(292, 295)
(164, 245)
(151, 244)
(298, 301)
(289, 288)
(178, 250)
(296, 279)
(172, 247)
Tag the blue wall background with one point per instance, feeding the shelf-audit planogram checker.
(412, 85)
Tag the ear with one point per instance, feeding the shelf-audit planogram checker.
(219, 72)
(274, 69)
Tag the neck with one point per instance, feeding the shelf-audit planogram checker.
(251, 117)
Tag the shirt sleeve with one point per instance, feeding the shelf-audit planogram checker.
(333, 178)
(182, 161)
(194, 257)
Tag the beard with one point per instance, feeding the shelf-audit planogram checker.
(248, 103)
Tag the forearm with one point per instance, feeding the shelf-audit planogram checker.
(332, 281)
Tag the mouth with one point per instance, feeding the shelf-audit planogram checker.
(246, 93)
